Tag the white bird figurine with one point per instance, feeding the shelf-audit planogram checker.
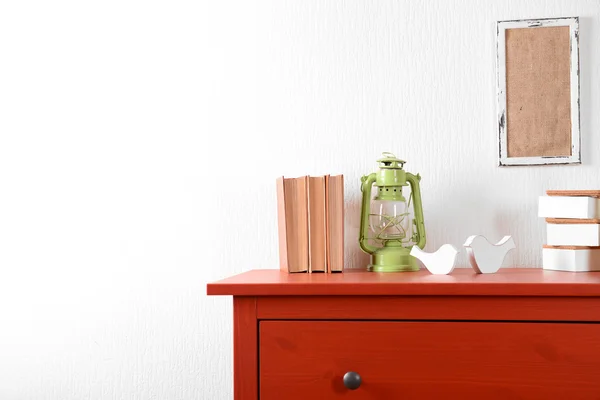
(485, 257)
(439, 263)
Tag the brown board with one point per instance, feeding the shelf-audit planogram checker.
(538, 92)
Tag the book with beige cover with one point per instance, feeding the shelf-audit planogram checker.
(292, 216)
(335, 222)
(317, 223)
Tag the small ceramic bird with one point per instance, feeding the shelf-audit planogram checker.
(440, 262)
(487, 258)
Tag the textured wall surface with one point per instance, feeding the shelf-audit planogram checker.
(140, 142)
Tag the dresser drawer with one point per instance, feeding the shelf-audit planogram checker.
(428, 360)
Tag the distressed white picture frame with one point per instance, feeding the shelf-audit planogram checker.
(502, 26)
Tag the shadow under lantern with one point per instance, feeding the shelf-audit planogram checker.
(394, 225)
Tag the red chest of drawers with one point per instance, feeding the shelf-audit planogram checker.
(517, 334)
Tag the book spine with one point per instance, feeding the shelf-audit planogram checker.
(317, 224)
(303, 215)
(336, 223)
(568, 207)
(282, 225)
(573, 234)
(574, 260)
(327, 227)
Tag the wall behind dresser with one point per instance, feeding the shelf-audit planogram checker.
(140, 142)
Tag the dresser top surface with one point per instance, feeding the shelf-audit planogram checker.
(461, 282)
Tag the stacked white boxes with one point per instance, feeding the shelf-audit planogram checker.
(572, 230)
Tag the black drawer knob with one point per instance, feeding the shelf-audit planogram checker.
(352, 380)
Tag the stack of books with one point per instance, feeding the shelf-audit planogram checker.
(573, 230)
(310, 213)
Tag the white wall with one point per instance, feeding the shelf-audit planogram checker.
(140, 141)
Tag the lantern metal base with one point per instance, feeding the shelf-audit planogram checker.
(393, 259)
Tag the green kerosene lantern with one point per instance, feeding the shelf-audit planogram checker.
(395, 227)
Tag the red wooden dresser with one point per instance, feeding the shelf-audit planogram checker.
(517, 334)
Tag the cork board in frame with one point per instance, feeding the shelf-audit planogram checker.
(538, 91)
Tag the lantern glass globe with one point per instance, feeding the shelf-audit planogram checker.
(391, 220)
